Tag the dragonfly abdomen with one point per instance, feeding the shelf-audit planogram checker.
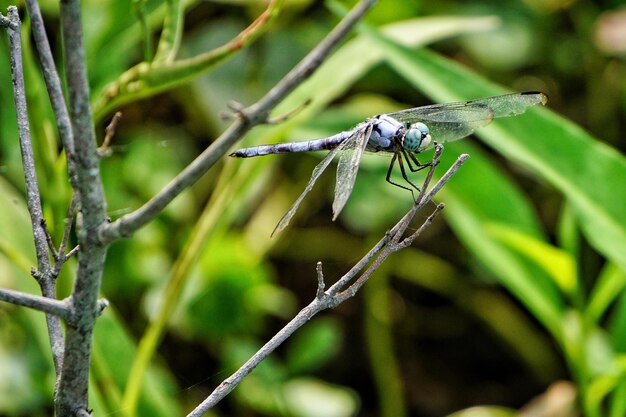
(306, 146)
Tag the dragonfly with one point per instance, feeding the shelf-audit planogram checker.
(402, 134)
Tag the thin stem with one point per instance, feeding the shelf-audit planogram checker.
(142, 18)
(47, 305)
(33, 198)
(53, 84)
(235, 379)
(109, 132)
(388, 250)
(253, 115)
(60, 257)
(171, 33)
(320, 281)
(431, 171)
(55, 92)
(445, 177)
(8, 23)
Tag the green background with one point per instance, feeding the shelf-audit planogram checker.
(518, 285)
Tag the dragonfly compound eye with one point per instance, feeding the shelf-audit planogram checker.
(417, 137)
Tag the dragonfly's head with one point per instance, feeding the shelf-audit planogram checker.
(417, 138)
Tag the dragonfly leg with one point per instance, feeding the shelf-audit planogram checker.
(393, 161)
(410, 156)
(406, 178)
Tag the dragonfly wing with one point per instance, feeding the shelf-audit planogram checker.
(348, 167)
(448, 131)
(449, 112)
(498, 106)
(317, 172)
(448, 122)
(509, 105)
(453, 121)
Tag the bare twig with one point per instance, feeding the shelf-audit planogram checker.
(251, 116)
(229, 384)
(8, 23)
(59, 255)
(320, 281)
(289, 114)
(53, 84)
(57, 99)
(379, 259)
(335, 294)
(33, 199)
(109, 132)
(431, 171)
(49, 240)
(238, 112)
(389, 243)
(47, 305)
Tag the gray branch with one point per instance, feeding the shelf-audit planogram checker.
(249, 117)
(33, 199)
(56, 308)
(71, 393)
(44, 272)
(53, 84)
(336, 294)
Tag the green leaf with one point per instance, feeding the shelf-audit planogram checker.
(618, 398)
(608, 287)
(618, 324)
(556, 263)
(480, 196)
(149, 78)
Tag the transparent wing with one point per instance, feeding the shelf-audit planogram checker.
(448, 131)
(348, 167)
(451, 121)
(317, 172)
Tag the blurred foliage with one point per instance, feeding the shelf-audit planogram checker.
(520, 286)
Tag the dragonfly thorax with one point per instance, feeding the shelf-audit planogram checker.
(386, 133)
